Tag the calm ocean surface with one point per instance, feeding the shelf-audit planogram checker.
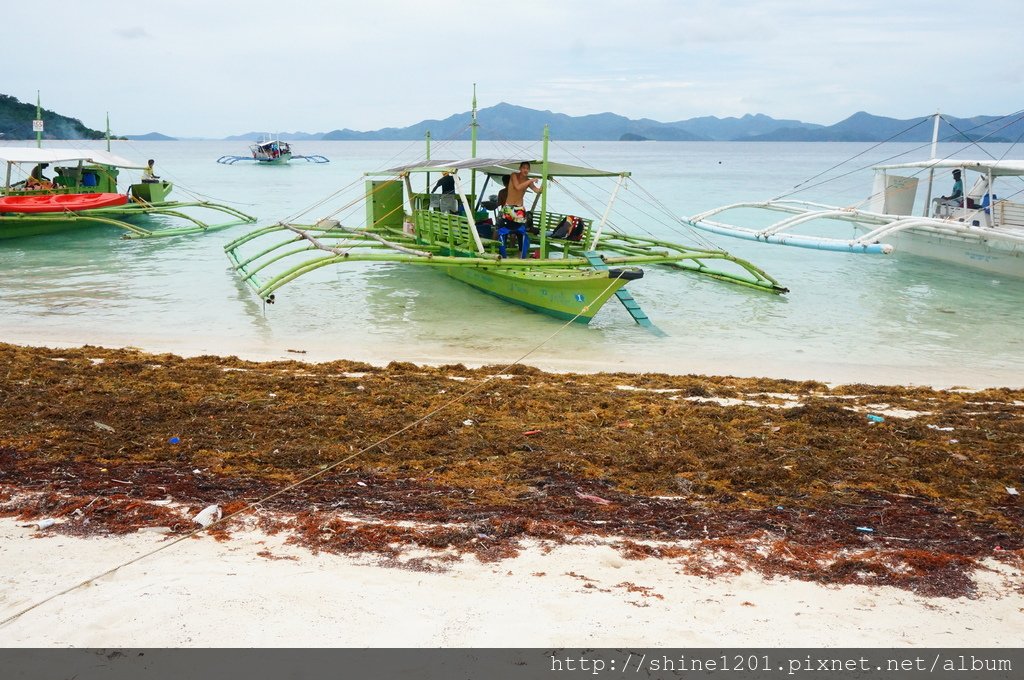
(848, 318)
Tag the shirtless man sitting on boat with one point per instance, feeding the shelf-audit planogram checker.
(37, 180)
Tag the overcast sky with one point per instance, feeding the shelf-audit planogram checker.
(212, 68)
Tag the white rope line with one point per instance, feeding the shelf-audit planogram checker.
(451, 402)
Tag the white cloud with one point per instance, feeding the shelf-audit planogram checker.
(218, 68)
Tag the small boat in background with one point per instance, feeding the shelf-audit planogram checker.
(271, 151)
(83, 192)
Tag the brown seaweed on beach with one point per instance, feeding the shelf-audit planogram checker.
(717, 474)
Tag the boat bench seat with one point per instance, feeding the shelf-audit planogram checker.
(438, 227)
(1009, 213)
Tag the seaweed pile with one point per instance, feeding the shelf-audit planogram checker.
(903, 486)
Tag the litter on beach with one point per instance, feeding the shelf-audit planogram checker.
(208, 515)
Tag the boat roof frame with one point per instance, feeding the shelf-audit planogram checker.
(28, 154)
(498, 166)
(996, 168)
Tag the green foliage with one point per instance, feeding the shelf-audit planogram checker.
(16, 122)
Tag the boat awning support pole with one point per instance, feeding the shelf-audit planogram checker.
(470, 217)
(544, 195)
(408, 191)
(607, 212)
(931, 171)
(427, 188)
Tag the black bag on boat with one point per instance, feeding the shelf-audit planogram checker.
(570, 229)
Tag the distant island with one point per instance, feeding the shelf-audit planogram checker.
(152, 137)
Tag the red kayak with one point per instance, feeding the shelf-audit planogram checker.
(45, 203)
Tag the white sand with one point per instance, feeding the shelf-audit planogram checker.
(204, 593)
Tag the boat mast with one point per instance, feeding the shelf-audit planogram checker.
(931, 170)
(544, 194)
(472, 141)
(427, 190)
(108, 130)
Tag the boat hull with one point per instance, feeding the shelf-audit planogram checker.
(984, 251)
(41, 214)
(19, 226)
(276, 160)
(563, 294)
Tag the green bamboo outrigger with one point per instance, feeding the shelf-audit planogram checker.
(565, 278)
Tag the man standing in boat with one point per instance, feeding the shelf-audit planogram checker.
(446, 183)
(955, 197)
(513, 212)
(518, 183)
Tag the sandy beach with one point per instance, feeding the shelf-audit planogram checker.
(254, 590)
(529, 509)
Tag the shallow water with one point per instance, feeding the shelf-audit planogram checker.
(848, 318)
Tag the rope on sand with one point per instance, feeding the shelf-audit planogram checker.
(448, 404)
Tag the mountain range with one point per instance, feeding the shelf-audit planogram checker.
(510, 122)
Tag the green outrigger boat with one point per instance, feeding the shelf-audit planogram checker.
(83, 193)
(564, 265)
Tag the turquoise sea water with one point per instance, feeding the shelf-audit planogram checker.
(848, 318)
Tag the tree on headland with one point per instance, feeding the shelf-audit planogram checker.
(16, 122)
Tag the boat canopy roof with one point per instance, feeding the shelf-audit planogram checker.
(501, 166)
(30, 154)
(996, 168)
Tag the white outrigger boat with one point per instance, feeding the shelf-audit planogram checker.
(983, 230)
(272, 151)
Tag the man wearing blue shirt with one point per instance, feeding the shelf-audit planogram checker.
(954, 199)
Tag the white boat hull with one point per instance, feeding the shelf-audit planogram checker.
(978, 251)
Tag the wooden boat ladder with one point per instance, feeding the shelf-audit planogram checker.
(627, 300)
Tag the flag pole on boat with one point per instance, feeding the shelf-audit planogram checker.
(37, 124)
